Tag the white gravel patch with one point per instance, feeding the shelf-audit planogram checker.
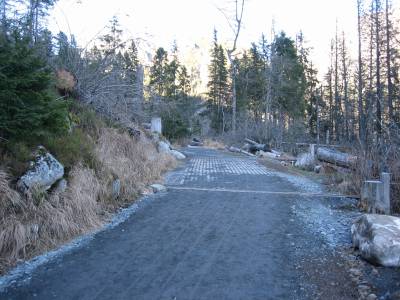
(333, 225)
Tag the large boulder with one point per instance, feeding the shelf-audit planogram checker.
(178, 155)
(164, 147)
(378, 239)
(44, 171)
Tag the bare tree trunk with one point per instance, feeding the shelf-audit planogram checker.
(388, 65)
(238, 20)
(369, 104)
(3, 11)
(337, 97)
(331, 93)
(361, 116)
(346, 88)
(378, 73)
(36, 23)
(317, 108)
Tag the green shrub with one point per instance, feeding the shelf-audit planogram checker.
(15, 157)
(86, 119)
(72, 148)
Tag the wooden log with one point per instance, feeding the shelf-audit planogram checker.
(254, 146)
(234, 149)
(250, 141)
(196, 144)
(335, 157)
(237, 150)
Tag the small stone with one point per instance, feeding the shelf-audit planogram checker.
(158, 188)
(371, 297)
(362, 289)
(147, 191)
(116, 189)
(355, 272)
(61, 186)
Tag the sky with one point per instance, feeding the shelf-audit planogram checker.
(157, 23)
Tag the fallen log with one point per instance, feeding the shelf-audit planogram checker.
(237, 150)
(335, 157)
(196, 144)
(254, 146)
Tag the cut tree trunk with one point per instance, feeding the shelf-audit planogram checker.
(335, 157)
(254, 146)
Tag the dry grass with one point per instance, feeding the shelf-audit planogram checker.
(42, 221)
(214, 144)
(135, 164)
(65, 80)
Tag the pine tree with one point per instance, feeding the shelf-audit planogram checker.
(218, 85)
(172, 73)
(37, 10)
(183, 82)
(131, 62)
(27, 110)
(158, 75)
(289, 83)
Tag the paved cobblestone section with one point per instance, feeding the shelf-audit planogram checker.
(211, 167)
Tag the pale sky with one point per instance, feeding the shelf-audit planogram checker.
(159, 22)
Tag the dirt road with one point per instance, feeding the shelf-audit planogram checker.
(228, 228)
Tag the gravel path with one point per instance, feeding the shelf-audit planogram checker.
(213, 235)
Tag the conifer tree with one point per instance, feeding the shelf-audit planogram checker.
(27, 110)
(218, 85)
(172, 73)
(158, 74)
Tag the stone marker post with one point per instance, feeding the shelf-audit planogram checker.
(156, 125)
(376, 194)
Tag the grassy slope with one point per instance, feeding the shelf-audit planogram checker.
(94, 154)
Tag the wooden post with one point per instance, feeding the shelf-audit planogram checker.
(312, 151)
(156, 125)
(385, 194)
(327, 137)
(371, 194)
(376, 194)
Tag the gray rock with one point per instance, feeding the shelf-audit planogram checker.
(317, 169)
(61, 186)
(158, 188)
(163, 147)
(378, 239)
(43, 172)
(178, 155)
(355, 272)
(116, 189)
(371, 297)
